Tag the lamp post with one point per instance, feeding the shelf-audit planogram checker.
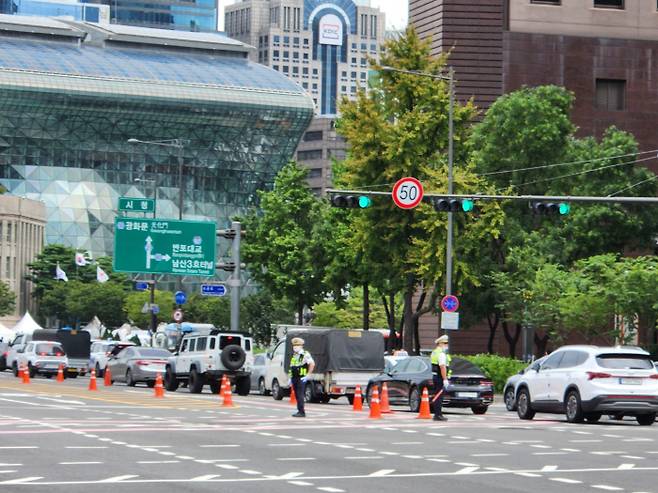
(451, 87)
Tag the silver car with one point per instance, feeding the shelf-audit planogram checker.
(258, 374)
(138, 364)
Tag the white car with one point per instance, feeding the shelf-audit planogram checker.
(509, 390)
(100, 352)
(42, 357)
(585, 382)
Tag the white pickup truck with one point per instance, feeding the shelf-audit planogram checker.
(343, 360)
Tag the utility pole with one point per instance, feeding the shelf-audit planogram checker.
(234, 266)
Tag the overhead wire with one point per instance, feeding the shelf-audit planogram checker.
(654, 177)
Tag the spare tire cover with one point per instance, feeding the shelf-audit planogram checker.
(233, 357)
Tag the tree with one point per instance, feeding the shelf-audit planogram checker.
(104, 300)
(401, 129)
(283, 248)
(258, 312)
(7, 299)
(208, 310)
(135, 301)
(349, 315)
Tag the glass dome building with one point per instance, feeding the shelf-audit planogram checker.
(73, 94)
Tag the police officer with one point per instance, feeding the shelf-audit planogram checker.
(301, 364)
(441, 374)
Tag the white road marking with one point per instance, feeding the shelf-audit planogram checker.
(9, 465)
(206, 477)
(28, 479)
(624, 467)
(79, 463)
(381, 472)
(290, 475)
(164, 452)
(540, 446)
(184, 457)
(117, 479)
(226, 466)
(8, 471)
(219, 446)
(585, 441)
(528, 474)
(158, 462)
(286, 444)
(566, 480)
(549, 453)
(250, 471)
(330, 489)
(632, 457)
(412, 456)
(436, 434)
(389, 453)
(365, 450)
(365, 457)
(296, 458)
(300, 483)
(606, 487)
(612, 436)
(549, 468)
(87, 447)
(638, 440)
(489, 455)
(570, 449)
(17, 448)
(467, 470)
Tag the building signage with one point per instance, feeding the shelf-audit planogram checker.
(331, 30)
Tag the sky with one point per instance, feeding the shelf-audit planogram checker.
(396, 12)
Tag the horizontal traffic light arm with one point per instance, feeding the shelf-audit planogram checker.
(536, 198)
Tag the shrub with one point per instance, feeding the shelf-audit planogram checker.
(497, 368)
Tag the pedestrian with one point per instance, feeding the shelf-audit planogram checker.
(301, 365)
(440, 374)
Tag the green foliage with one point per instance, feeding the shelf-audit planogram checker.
(7, 299)
(497, 368)
(284, 249)
(135, 301)
(105, 300)
(208, 310)
(350, 315)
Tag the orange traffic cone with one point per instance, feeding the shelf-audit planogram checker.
(222, 387)
(159, 389)
(424, 411)
(385, 408)
(92, 381)
(60, 373)
(26, 374)
(357, 403)
(375, 411)
(293, 397)
(228, 398)
(107, 377)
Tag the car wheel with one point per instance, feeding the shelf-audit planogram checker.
(523, 405)
(309, 395)
(261, 387)
(479, 409)
(242, 385)
(3, 364)
(414, 400)
(572, 408)
(646, 419)
(510, 403)
(129, 379)
(32, 372)
(99, 372)
(593, 417)
(196, 382)
(277, 391)
(170, 381)
(14, 369)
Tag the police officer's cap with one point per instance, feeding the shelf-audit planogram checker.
(297, 341)
(441, 339)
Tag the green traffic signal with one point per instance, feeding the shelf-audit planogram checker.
(468, 205)
(364, 201)
(564, 208)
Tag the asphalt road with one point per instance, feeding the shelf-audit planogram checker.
(60, 437)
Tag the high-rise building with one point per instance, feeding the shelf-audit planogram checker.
(323, 45)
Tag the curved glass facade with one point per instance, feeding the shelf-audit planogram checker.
(67, 112)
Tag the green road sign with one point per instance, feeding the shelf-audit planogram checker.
(183, 248)
(130, 204)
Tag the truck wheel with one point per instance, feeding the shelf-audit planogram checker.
(215, 386)
(14, 369)
(170, 381)
(196, 382)
(277, 391)
(243, 385)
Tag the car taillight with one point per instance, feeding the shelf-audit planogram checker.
(652, 377)
(107, 353)
(486, 382)
(5, 354)
(591, 375)
(141, 363)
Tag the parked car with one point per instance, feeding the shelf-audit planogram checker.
(258, 374)
(509, 390)
(100, 352)
(138, 364)
(42, 357)
(469, 386)
(585, 382)
(390, 361)
(4, 350)
(16, 347)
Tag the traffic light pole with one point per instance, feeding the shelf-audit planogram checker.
(450, 184)
(234, 282)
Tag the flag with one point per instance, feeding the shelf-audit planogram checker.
(60, 274)
(80, 259)
(101, 275)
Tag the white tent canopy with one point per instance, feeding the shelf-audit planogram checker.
(26, 325)
(95, 328)
(6, 335)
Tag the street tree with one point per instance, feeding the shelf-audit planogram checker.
(349, 314)
(136, 300)
(7, 299)
(104, 300)
(284, 250)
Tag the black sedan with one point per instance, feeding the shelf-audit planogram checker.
(469, 387)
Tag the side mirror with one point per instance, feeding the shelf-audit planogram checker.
(268, 355)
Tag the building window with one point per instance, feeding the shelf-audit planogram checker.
(286, 18)
(305, 41)
(373, 26)
(297, 16)
(275, 53)
(286, 41)
(311, 154)
(313, 135)
(286, 69)
(315, 173)
(547, 2)
(305, 85)
(277, 40)
(315, 71)
(286, 55)
(305, 70)
(364, 25)
(275, 67)
(339, 154)
(353, 74)
(609, 4)
(295, 55)
(295, 70)
(610, 94)
(295, 42)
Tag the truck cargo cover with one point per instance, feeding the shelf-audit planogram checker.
(340, 349)
(76, 344)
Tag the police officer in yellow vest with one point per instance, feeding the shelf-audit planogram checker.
(301, 365)
(440, 360)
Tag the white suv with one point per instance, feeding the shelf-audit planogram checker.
(585, 382)
(44, 357)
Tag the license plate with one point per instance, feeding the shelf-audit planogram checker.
(630, 381)
(467, 394)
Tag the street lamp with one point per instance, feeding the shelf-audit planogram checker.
(451, 87)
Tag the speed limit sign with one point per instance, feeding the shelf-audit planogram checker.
(407, 193)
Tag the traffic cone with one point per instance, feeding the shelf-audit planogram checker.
(375, 411)
(60, 373)
(26, 374)
(228, 398)
(424, 411)
(357, 403)
(159, 389)
(222, 387)
(107, 377)
(385, 408)
(293, 397)
(92, 381)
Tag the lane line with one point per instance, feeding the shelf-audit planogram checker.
(607, 487)
(206, 477)
(118, 479)
(331, 489)
(79, 463)
(566, 480)
(300, 483)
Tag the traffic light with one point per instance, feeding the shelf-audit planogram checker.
(453, 205)
(550, 208)
(351, 201)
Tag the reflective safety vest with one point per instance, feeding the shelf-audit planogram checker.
(297, 366)
(434, 359)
